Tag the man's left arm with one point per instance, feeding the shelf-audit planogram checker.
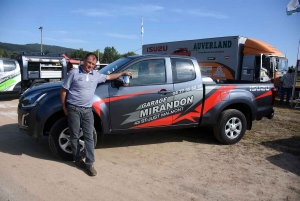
(117, 75)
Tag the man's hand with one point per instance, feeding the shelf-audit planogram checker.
(117, 75)
(63, 95)
(65, 110)
(128, 73)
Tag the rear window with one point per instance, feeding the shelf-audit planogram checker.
(9, 66)
(183, 70)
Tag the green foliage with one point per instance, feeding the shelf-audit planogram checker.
(29, 48)
(129, 54)
(109, 54)
(5, 53)
(78, 54)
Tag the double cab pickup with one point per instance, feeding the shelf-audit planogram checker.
(165, 92)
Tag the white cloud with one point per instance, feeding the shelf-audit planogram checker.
(207, 14)
(91, 12)
(121, 36)
(116, 10)
(177, 10)
(60, 32)
(68, 40)
(51, 39)
(140, 10)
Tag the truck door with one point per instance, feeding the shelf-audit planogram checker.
(142, 104)
(249, 69)
(188, 92)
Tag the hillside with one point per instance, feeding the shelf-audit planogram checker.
(28, 48)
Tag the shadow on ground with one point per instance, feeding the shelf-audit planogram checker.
(196, 135)
(289, 159)
(13, 141)
(8, 96)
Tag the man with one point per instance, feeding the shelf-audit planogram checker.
(287, 84)
(76, 96)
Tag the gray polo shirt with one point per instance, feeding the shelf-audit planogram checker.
(81, 86)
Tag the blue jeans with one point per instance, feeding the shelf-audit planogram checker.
(79, 117)
(288, 92)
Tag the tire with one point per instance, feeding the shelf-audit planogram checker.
(230, 127)
(59, 140)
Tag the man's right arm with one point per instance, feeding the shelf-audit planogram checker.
(63, 97)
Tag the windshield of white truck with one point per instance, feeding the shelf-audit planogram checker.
(282, 65)
(112, 67)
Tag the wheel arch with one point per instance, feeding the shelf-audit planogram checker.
(51, 121)
(243, 108)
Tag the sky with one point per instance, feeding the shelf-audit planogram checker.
(96, 24)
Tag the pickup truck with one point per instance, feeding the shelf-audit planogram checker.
(165, 92)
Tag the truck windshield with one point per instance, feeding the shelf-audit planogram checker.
(283, 64)
(112, 67)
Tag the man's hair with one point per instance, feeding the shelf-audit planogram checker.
(290, 70)
(90, 54)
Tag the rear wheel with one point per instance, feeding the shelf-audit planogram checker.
(231, 126)
(59, 140)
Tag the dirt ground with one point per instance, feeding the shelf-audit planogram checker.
(175, 165)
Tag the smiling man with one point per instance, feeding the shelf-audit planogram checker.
(76, 96)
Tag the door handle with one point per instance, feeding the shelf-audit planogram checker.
(164, 91)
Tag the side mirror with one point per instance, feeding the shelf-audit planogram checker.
(126, 80)
(121, 81)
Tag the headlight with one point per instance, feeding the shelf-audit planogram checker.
(32, 99)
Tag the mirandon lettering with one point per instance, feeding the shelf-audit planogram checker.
(166, 106)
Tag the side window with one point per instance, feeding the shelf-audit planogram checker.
(148, 72)
(183, 70)
(9, 66)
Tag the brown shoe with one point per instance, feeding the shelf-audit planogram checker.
(91, 170)
(81, 164)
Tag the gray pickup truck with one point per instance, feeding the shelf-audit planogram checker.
(165, 92)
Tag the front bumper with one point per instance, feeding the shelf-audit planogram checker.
(27, 121)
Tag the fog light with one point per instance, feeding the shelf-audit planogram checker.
(25, 120)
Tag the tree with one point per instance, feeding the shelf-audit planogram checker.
(97, 52)
(110, 55)
(5, 53)
(129, 54)
(78, 54)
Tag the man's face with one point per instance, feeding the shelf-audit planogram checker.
(89, 63)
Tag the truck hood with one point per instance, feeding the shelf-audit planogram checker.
(52, 86)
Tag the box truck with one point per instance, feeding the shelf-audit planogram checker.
(232, 58)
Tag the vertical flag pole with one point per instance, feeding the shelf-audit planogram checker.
(295, 77)
(142, 32)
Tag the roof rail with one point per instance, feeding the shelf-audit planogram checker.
(37, 53)
(19, 52)
(54, 54)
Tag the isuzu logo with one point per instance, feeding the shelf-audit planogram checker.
(160, 48)
(259, 88)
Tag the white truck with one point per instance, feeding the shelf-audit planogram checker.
(10, 75)
(36, 69)
(229, 58)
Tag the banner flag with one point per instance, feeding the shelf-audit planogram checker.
(293, 7)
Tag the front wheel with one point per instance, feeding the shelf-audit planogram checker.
(59, 140)
(231, 126)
